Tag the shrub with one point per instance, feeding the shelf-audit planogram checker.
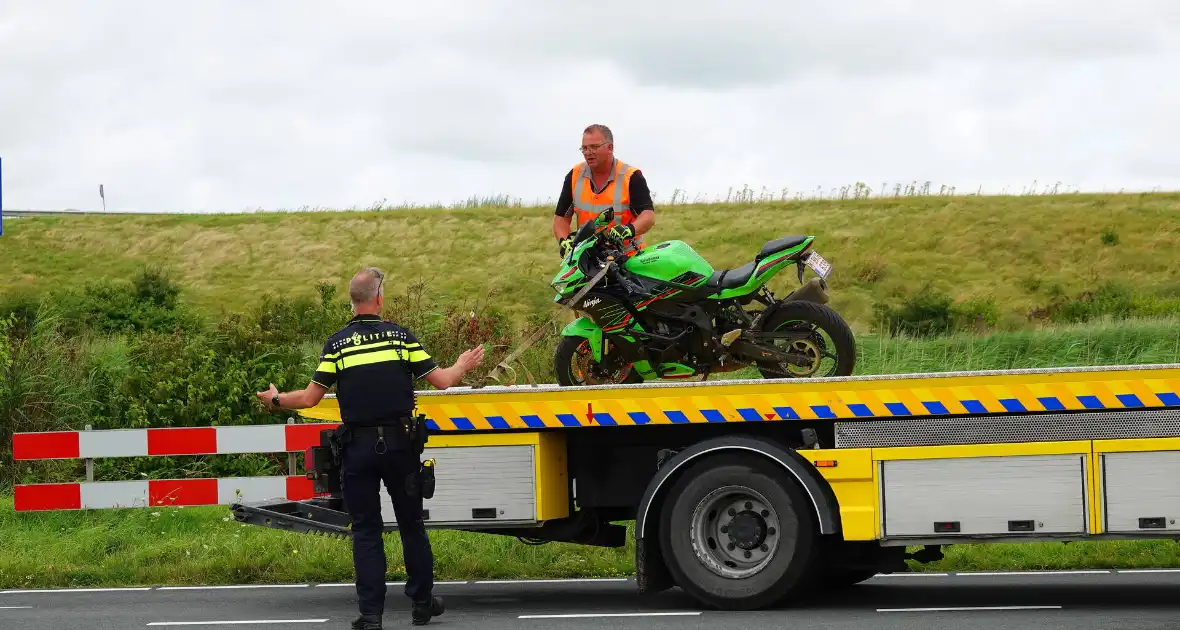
(1110, 300)
(925, 314)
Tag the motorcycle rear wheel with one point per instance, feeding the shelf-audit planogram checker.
(820, 318)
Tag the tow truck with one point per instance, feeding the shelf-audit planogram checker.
(746, 494)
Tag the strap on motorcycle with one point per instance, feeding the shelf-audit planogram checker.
(537, 334)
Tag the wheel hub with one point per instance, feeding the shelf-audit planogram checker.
(747, 530)
(734, 532)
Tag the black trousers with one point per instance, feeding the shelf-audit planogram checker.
(362, 472)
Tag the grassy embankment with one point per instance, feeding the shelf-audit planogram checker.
(1016, 251)
(1022, 253)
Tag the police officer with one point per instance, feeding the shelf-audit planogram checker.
(373, 364)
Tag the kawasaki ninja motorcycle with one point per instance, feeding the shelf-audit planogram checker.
(665, 313)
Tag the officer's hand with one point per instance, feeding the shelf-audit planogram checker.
(565, 246)
(267, 395)
(468, 360)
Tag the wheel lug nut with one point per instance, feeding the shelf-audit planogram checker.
(732, 512)
(765, 513)
(724, 529)
(748, 554)
(731, 546)
(770, 531)
(765, 547)
(749, 506)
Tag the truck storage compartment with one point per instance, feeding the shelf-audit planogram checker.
(479, 485)
(1141, 491)
(984, 496)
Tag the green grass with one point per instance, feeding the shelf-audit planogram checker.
(1015, 250)
(205, 546)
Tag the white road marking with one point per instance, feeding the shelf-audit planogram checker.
(967, 608)
(891, 575)
(228, 587)
(350, 584)
(14, 607)
(553, 581)
(1148, 571)
(75, 590)
(1026, 573)
(594, 615)
(234, 623)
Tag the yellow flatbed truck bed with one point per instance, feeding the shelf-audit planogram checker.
(744, 492)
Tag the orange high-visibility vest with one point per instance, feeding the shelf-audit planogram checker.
(617, 195)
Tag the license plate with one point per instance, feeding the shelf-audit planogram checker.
(816, 263)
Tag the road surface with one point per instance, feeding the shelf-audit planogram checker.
(1145, 600)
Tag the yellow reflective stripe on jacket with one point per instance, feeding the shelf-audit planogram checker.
(327, 367)
(368, 358)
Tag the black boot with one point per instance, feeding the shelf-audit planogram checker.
(423, 611)
(367, 622)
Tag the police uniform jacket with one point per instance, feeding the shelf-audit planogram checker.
(373, 364)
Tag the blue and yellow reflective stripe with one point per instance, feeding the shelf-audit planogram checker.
(769, 401)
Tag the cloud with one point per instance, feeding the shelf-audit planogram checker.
(223, 106)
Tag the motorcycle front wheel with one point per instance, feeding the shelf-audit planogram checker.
(574, 365)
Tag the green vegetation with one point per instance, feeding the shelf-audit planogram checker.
(124, 322)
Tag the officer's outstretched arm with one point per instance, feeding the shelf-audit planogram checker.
(443, 378)
(309, 396)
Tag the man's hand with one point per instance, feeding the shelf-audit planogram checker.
(623, 232)
(470, 359)
(266, 397)
(565, 246)
(449, 377)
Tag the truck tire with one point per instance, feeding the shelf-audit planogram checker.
(752, 505)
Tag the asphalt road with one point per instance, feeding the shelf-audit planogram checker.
(1145, 600)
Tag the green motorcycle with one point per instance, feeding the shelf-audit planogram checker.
(665, 313)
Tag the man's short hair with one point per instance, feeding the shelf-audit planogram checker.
(366, 285)
(604, 130)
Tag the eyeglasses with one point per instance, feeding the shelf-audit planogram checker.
(592, 147)
(380, 279)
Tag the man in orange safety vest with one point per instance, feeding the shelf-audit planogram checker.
(598, 183)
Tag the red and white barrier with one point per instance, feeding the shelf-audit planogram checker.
(159, 493)
(271, 438)
(266, 438)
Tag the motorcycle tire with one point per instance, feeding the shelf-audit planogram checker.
(563, 357)
(822, 317)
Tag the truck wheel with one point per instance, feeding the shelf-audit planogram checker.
(737, 533)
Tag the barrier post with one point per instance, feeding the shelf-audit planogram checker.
(89, 463)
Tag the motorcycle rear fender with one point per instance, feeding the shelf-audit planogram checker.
(814, 290)
(586, 328)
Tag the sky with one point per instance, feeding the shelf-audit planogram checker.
(228, 106)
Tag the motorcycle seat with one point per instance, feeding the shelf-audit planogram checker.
(779, 244)
(731, 278)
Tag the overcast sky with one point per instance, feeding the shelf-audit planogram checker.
(219, 105)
